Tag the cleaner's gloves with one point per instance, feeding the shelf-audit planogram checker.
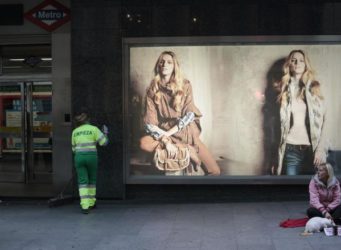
(105, 130)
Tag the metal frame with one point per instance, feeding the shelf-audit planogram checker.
(128, 43)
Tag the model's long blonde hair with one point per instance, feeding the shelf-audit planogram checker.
(309, 74)
(330, 172)
(176, 82)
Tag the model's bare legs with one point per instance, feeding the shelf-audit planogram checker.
(207, 158)
(148, 144)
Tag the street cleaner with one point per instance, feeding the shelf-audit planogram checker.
(85, 138)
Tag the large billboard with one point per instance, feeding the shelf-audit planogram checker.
(223, 108)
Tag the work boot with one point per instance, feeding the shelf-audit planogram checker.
(93, 206)
(85, 210)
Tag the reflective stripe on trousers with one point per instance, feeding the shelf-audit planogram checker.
(87, 195)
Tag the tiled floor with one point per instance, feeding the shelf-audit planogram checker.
(121, 225)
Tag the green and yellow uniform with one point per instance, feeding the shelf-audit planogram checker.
(84, 141)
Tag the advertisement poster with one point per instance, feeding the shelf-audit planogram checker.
(233, 91)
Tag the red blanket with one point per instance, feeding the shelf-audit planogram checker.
(294, 222)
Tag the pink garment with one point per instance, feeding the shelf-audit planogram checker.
(322, 197)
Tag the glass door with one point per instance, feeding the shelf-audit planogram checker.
(26, 132)
(12, 132)
(39, 129)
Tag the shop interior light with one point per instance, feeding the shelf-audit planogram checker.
(12, 67)
(17, 59)
(23, 59)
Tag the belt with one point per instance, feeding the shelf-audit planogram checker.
(298, 147)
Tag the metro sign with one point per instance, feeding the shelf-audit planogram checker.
(49, 15)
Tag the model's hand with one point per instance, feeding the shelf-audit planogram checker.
(319, 159)
(171, 150)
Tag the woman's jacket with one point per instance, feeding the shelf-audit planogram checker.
(317, 117)
(323, 197)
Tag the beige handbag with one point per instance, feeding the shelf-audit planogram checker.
(164, 163)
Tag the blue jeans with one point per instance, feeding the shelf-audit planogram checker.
(298, 159)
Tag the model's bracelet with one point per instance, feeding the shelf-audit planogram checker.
(184, 121)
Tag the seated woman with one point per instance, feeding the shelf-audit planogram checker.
(324, 190)
(171, 117)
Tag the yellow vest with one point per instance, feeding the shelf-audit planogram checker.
(85, 138)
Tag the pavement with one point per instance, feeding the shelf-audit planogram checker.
(122, 225)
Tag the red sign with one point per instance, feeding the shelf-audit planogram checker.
(49, 15)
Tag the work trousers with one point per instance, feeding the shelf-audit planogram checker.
(86, 168)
